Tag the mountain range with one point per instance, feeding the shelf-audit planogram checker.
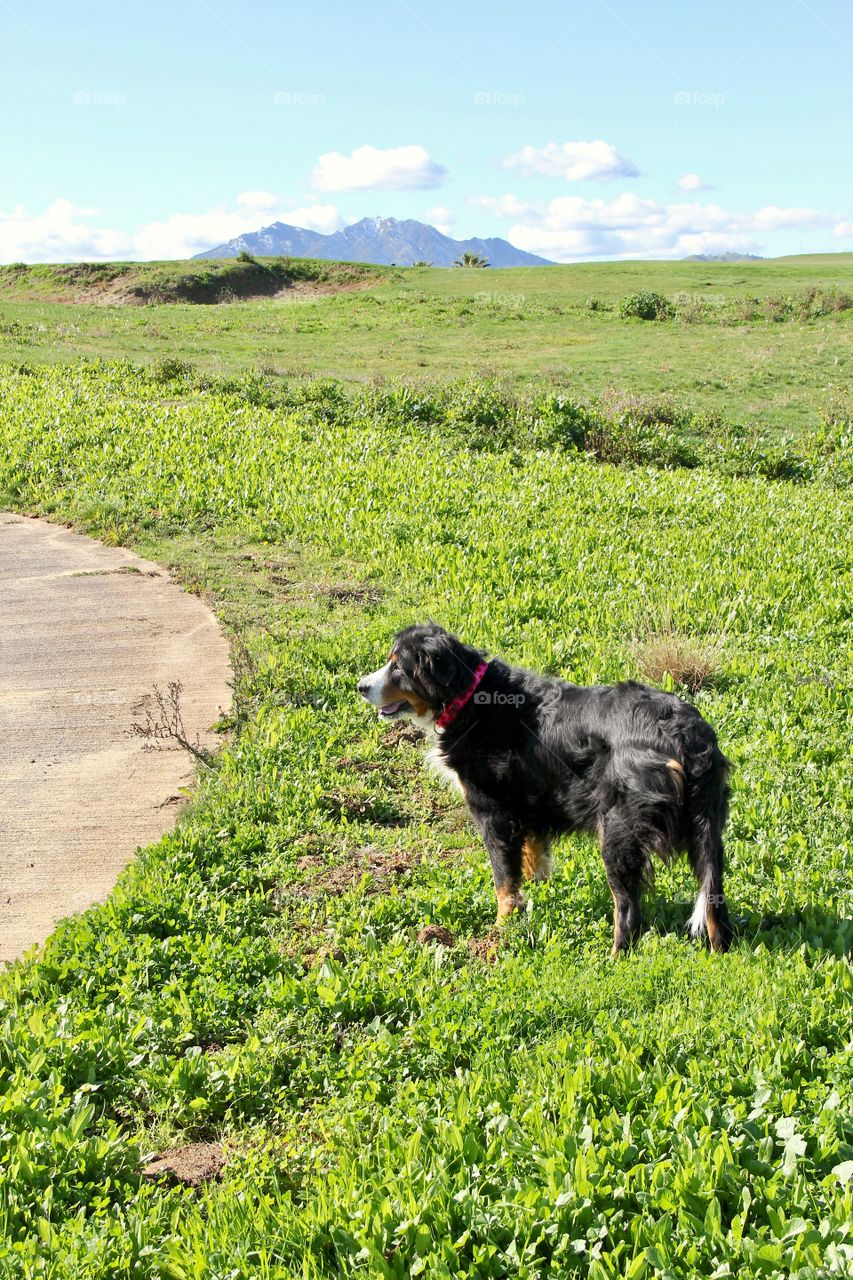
(385, 241)
(730, 256)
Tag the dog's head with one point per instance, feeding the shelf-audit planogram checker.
(427, 669)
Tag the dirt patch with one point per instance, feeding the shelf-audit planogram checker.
(312, 958)
(383, 869)
(437, 933)
(360, 766)
(354, 808)
(190, 1166)
(344, 592)
(486, 948)
(403, 733)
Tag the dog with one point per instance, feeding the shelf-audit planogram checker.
(536, 757)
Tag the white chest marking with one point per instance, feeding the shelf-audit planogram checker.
(435, 761)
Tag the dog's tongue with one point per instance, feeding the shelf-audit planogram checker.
(391, 708)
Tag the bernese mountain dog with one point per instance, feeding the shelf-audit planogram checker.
(536, 757)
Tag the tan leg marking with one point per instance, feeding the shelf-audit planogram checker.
(509, 900)
(716, 938)
(535, 858)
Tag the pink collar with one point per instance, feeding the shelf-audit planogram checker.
(451, 711)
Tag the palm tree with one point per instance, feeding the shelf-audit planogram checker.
(471, 260)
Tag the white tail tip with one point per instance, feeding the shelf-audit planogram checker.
(698, 921)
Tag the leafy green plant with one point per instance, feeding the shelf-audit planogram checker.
(646, 305)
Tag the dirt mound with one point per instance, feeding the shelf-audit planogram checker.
(437, 933)
(192, 1165)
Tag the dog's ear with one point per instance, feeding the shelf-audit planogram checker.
(440, 669)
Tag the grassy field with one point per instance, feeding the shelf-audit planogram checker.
(523, 1107)
(763, 343)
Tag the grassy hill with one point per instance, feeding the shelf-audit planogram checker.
(163, 283)
(484, 1106)
(762, 343)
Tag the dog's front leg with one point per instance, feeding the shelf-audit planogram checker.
(504, 839)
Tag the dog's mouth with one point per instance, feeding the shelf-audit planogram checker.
(393, 709)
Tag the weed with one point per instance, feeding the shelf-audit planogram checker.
(165, 724)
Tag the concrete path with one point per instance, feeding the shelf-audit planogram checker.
(86, 632)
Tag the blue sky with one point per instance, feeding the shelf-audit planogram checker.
(575, 130)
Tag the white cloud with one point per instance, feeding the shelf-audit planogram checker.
(372, 169)
(772, 218)
(502, 206)
(692, 182)
(574, 161)
(629, 226)
(257, 201)
(62, 233)
(843, 230)
(441, 218)
(67, 233)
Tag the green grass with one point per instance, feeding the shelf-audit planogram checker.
(751, 341)
(390, 1109)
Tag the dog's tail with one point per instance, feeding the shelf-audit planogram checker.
(707, 802)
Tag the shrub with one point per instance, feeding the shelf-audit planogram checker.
(645, 305)
(746, 309)
(245, 256)
(170, 369)
(776, 309)
(692, 311)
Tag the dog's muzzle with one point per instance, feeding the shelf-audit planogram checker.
(374, 687)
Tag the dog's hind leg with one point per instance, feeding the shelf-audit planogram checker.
(536, 857)
(625, 862)
(708, 809)
(710, 912)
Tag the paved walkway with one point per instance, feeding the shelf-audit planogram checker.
(86, 632)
